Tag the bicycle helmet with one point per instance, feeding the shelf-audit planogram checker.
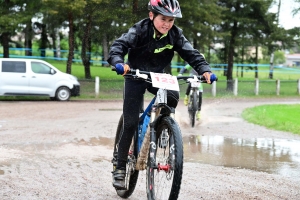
(168, 8)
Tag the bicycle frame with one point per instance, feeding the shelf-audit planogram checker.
(143, 139)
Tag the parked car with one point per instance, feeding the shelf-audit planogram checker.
(33, 77)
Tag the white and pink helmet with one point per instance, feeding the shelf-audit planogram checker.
(168, 8)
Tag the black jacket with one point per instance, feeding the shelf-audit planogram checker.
(149, 54)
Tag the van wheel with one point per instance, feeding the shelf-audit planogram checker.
(63, 94)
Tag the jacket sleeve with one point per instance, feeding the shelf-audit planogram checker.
(191, 55)
(120, 47)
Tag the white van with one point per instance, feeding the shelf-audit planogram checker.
(23, 77)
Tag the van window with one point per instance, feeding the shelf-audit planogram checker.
(40, 68)
(14, 66)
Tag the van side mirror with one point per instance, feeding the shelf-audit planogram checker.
(52, 71)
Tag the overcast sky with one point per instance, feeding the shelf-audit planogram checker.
(286, 18)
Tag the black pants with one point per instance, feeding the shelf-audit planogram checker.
(188, 89)
(133, 99)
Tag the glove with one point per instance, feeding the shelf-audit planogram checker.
(210, 77)
(122, 68)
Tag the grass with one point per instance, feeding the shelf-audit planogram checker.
(111, 85)
(278, 117)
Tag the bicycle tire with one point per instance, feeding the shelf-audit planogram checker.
(195, 101)
(191, 108)
(133, 175)
(163, 184)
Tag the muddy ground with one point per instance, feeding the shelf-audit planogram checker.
(62, 150)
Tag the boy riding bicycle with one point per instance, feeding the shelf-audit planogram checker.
(188, 89)
(150, 45)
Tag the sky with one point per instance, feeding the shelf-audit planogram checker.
(286, 18)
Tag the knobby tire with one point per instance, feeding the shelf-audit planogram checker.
(192, 108)
(134, 176)
(166, 184)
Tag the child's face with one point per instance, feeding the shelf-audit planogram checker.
(162, 23)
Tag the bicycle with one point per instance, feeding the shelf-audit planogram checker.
(193, 101)
(158, 149)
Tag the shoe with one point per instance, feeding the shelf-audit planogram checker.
(198, 115)
(186, 100)
(119, 179)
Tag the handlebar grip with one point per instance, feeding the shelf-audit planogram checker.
(213, 78)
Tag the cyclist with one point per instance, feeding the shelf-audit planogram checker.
(150, 44)
(188, 89)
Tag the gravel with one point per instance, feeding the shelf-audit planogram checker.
(62, 150)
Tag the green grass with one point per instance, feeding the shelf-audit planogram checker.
(278, 117)
(111, 85)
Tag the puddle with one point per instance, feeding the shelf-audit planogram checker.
(274, 156)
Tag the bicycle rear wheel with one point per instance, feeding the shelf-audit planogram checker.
(131, 174)
(164, 179)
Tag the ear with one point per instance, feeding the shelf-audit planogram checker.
(151, 15)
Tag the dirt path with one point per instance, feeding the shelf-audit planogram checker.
(55, 150)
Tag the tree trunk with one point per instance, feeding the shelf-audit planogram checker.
(86, 44)
(104, 49)
(243, 54)
(231, 57)
(28, 39)
(57, 43)
(5, 44)
(230, 66)
(256, 61)
(53, 37)
(225, 58)
(44, 41)
(271, 66)
(71, 44)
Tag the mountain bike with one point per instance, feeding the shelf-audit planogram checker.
(157, 143)
(193, 97)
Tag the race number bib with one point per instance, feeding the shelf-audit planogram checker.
(195, 84)
(164, 81)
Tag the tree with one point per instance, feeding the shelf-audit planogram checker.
(89, 15)
(200, 21)
(9, 21)
(244, 18)
(68, 10)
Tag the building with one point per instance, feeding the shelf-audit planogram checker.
(292, 60)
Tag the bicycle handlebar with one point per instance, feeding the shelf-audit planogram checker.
(200, 77)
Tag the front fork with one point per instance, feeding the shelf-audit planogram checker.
(166, 166)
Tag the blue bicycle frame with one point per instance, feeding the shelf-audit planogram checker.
(144, 123)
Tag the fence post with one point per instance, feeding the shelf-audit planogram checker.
(256, 90)
(235, 89)
(298, 88)
(277, 86)
(214, 88)
(97, 86)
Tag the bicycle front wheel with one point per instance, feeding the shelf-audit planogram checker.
(165, 174)
(193, 108)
